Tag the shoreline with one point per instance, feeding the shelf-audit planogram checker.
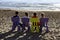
(27, 10)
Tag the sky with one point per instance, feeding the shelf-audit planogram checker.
(32, 1)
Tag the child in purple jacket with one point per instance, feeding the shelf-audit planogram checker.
(43, 23)
(16, 22)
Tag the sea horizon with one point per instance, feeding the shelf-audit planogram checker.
(29, 6)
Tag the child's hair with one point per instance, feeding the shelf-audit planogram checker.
(34, 14)
(16, 12)
(26, 13)
(42, 15)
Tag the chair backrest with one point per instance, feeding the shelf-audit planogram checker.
(24, 20)
(34, 21)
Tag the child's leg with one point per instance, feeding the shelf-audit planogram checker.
(37, 28)
(23, 27)
(28, 28)
(41, 29)
(18, 27)
(32, 28)
(47, 29)
(13, 27)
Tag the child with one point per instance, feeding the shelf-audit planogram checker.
(16, 22)
(43, 23)
(35, 23)
(25, 21)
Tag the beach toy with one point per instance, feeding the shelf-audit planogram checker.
(34, 25)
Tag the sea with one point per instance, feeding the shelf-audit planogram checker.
(29, 6)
